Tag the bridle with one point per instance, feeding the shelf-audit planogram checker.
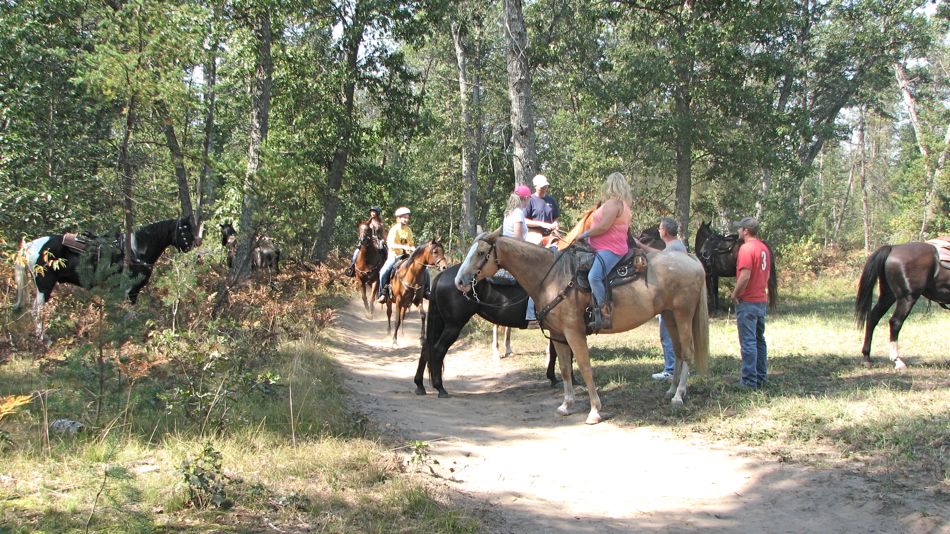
(415, 259)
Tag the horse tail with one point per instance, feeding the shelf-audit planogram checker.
(19, 269)
(701, 332)
(773, 281)
(873, 269)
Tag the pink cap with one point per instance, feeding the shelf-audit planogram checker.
(523, 191)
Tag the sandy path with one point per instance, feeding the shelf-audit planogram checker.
(499, 447)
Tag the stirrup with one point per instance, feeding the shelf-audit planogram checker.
(350, 271)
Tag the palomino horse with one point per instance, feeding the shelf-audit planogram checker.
(449, 311)
(408, 284)
(674, 285)
(718, 254)
(369, 260)
(649, 237)
(903, 273)
(60, 256)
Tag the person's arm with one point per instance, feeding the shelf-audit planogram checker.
(741, 282)
(608, 216)
(646, 248)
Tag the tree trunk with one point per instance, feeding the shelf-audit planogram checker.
(684, 136)
(125, 167)
(257, 134)
(524, 155)
(331, 202)
(468, 96)
(863, 172)
(178, 160)
(844, 206)
(206, 186)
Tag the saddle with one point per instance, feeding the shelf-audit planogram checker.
(89, 242)
(942, 244)
(631, 267)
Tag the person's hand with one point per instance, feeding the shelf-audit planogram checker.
(584, 235)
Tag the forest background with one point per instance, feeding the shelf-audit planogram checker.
(828, 120)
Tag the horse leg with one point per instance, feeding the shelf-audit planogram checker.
(508, 351)
(884, 302)
(399, 316)
(39, 326)
(672, 328)
(564, 361)
(904, 305)
(436, 362)
(683, 346)
(578, 343)
(495, 353)
(552, 361)
(422, 334)
(389, 317)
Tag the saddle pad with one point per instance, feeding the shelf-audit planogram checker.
(502, 278)
(942, 244)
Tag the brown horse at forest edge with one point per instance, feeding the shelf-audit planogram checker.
(903, 273)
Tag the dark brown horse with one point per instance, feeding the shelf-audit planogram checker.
(408, 284)
(903, 273)
(369, 259)
(718, 254)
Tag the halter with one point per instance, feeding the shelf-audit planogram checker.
(414, 260)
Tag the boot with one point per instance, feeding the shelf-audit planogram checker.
(602, 318)
(383, 294)
(350, 271)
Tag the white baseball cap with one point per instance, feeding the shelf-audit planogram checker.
(540, 180)
(402, 211)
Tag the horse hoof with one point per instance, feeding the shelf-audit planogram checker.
(669, 395)
(443, 394)
(867, 365)
(420, 390)
(563, 410)
(593, 419)
(899, 365)
(676, 403)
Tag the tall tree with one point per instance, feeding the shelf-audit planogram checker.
(524, 153)
(261, 85)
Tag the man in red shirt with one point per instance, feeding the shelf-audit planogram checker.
(752, 278)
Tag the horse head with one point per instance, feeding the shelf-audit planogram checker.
(435, 254)
(228, 234)
(480, 262)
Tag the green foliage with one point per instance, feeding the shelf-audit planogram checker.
(206, 480)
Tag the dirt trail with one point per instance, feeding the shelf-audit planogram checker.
(498, 447)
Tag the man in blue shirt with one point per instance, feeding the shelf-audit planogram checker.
(542, 213)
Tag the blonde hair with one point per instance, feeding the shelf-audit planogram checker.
(514, 202)
(616, 186)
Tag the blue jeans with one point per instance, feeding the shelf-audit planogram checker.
(750, 320)
(603, 263)
(669, 356)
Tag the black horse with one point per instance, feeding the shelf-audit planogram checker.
(265, 255)
(718, 254)
(60, 256)
(903, 273)
(450, 310)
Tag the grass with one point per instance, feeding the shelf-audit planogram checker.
(337, 477)
(820, 407)
(284, 452)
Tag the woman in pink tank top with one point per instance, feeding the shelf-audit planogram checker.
(608, 236)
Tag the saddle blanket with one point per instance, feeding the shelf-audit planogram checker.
(942, 244)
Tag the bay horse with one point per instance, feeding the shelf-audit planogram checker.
(718, 254)
(56, 259)
(407, 284)
(370, 258)
(449, 311)
(674, 285)
(903, 273)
